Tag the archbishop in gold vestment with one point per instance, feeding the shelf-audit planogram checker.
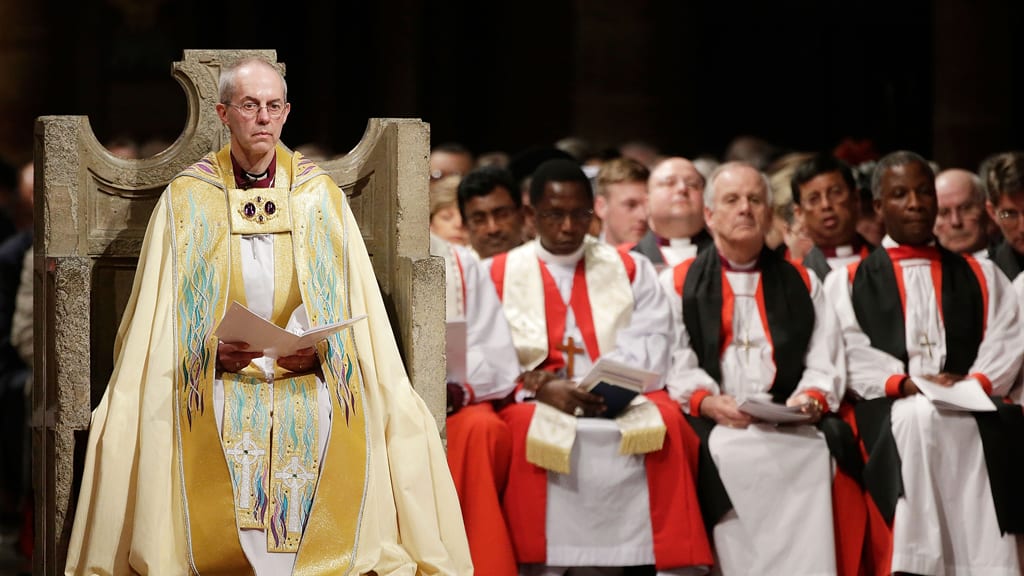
(157, 495)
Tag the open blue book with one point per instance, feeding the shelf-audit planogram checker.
(617, 383)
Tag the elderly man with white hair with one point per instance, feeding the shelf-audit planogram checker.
(755, 329)
(961, 225)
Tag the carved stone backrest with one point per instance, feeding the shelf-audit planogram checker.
(94, 211)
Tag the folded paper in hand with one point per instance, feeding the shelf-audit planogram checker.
(767, 411)
(240, 324)
(965, 395)
(617, 383)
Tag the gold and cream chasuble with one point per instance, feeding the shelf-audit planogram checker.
(273, 464)
(164, 491)
(269, 422)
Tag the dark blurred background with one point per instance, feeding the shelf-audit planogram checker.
(938, 77)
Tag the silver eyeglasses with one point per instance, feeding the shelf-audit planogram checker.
(251, 109)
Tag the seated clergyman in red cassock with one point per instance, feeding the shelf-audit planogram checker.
(479, 442)
(586, 490)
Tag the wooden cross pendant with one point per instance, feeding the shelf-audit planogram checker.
(570, 350)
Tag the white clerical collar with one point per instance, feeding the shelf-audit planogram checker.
(742, 267)
(981, 254)
(559, 259)
(844, 251)
(888, 242)
(679, 242)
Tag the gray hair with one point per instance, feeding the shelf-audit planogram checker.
(226, 84)
(898, 158)
(709, 188)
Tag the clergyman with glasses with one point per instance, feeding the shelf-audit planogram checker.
(825, 200)
(1003, 175)
(211, 457)
(584, 480)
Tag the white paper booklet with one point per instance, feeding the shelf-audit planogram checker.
(965, 395)
(618, 374)
(240, 324)
(768, 411)
(455, 351)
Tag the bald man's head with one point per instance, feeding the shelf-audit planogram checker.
(675, 199)
(961, 224)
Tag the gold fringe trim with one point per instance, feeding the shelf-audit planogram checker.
(550, 438)
(642, 427)
(552, 433)
(547, 456)
(642, 441)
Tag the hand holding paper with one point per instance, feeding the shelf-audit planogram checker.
(240, 324)
(767, 411)
(722, 408)
(303, 360)
(965, 395)
(233, 356)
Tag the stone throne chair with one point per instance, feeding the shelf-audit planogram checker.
(92, 212)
